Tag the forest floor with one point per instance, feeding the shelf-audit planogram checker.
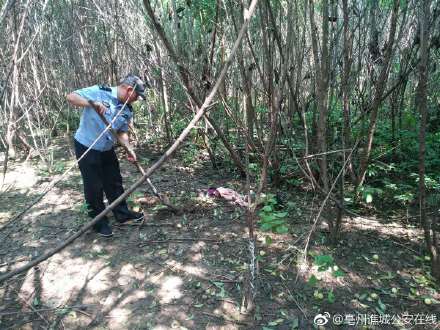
(187, 271)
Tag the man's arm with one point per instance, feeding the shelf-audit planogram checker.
(123, 139)
(79, 101)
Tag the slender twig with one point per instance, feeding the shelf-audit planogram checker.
(227, 319)
(13, 261)
(32, 307)
(295, 301)
(179, 240)
(318, 216)
(43, 310)
(326, 153)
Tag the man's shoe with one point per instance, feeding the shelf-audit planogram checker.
(130, 217)
(103, 230)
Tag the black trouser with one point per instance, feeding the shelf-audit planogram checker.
(100, 173)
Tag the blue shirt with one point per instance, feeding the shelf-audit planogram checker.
(91, 125)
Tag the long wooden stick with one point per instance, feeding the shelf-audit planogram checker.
(202, 110)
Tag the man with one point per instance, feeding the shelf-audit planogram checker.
(100, 167)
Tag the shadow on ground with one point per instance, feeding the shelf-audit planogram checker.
(189, 271)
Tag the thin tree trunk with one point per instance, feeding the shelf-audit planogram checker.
(345, 85)
(379, 87)
(4, 11)
(165, 98)
(421, 101)
(11, 126)
(322, 63)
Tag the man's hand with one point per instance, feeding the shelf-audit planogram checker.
(123, 140)
(131, 156)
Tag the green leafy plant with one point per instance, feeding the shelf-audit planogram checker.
(82, 209)
(131, 200)
(189, 155)
(254, 168)
(58, 167)
(331, 296)
(324, 263)
(271, 219)
(369, 192)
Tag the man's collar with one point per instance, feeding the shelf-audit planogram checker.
(115, 92)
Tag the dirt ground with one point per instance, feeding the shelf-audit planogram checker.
(189, 271)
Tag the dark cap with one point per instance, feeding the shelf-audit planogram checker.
(136, 83)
